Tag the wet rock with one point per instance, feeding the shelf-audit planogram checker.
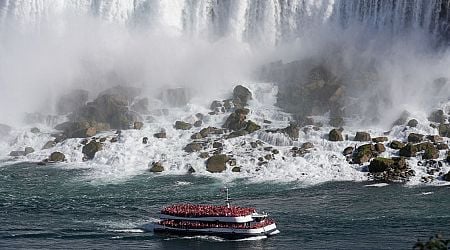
(292, 131)
(91, 149)
(379, 147)
(362, 136)
(200, 116)
(252, 127)
(28, 150)
(410, 150)
(380, 164)
(236, 121)
(49, 144)
(176, 97)
(57, 157)
(415, 138)
(114, 139)
(275, 151)
(380, 139)
(157, 167)
(235, 134)
(437, 116)
(17, 153)
(217, 163)
(253, 144)
(216, 105)
(196, 136)
(217, 145)
(412, 123)
(144, 140)
(434, 138)
(160, 135)
(364, 153)
(241, 95)
(347, 151)
(430, 153)
(444, 130)
(193, 147)
(138, 125)
(182, 125)
(446, 177)
(236, 169)
(441, 146)
(35, 130)
(191, 170)
(198, 123)
(335, 135)
(81, 129)
(268, 157)
(396, 145)
(72, 101)
(307, 145)
(203, 155)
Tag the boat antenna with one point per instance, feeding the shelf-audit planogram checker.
(227, 200)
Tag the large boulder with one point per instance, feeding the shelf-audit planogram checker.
(193, 147)
(236, 121)
(380, 164)
(415, 138)
(380, 139)
(57, 157)
(157, 167)
(412, 123)
(72, 101)
(362, 136)
(182, 125)
(410, 150)
(252, 127)
(90, 149)
(217, 163)
(437, 116)
(335, 135)
(396, 144)
(241, 96)
(364, 153)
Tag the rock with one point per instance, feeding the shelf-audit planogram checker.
(444, 130)
(198, 123)
(193, 147)
(17, 153)
(446, 177)
(430, 153)
(441, 146)
(200, 116)
(182, 125)
(160, 135)
(157, 167)
(275, 151)
(293, 131)
(49, 144)
(217, 145)
(203, 155)
(252, 127)
(4, 129)
(363, 153)
(235, 134)
(268, 157)
(176, 97)
(362, 136)
(196, 136)
(216, 105)
(138, 125)
(380, 139)
(336, 122)
(72, 101)
(57, 157)
(434, 138)
(35, 130)
(191, 170)
(29, 150)
(380, 164)
(335, 135)
(347, 151)
(437, 116)
(80, 129)
(412, 123)
(379, 147)
(114, 139)
(424, 145)
(236, 121)
(144, 140)
(241, 95)
(410, 150)
(210, 130)
(396, 145)
(402, 119)
(90, 149)
(236, 169)
(415, 138)
(307, 145)
(217, 163)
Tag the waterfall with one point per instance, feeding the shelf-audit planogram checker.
(252, 21)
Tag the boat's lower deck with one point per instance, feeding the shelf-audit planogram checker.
(228, 233)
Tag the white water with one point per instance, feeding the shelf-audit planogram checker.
(127, 158)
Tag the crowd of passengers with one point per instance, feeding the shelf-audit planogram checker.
(190, 210)
(207, 224)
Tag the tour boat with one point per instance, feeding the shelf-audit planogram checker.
(226, 221)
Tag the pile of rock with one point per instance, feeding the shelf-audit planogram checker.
(390, 169)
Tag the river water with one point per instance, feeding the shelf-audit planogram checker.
(56, 207)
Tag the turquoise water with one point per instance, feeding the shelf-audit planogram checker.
(56, 207)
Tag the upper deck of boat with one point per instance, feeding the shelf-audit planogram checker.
(198, 210)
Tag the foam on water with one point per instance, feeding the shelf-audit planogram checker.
(129, 157)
